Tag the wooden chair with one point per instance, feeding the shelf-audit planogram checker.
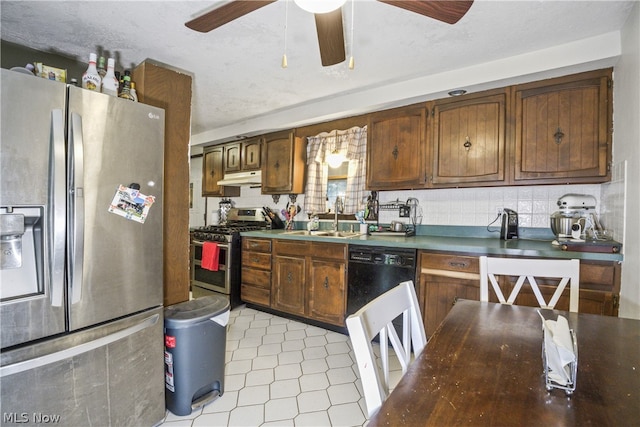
(528, 269)
(376, 318)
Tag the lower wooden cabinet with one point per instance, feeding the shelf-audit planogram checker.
(255, 284)
(447, 277)
(309, 279)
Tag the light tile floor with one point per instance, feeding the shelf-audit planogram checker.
(280, 372)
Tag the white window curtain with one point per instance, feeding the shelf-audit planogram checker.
(352, 144)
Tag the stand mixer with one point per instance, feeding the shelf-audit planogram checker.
(576, 218)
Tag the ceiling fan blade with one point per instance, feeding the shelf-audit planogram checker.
(449, 11)
(330, 37)
(225, 13)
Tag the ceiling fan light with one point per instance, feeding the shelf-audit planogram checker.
(320, 6)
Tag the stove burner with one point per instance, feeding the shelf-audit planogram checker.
(223, 233)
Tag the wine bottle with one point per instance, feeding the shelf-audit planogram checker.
(125, 91)
(91, 80)
(101, 67)
(109, 82)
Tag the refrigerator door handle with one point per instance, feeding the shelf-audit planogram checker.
(57, 212)
(76, 208)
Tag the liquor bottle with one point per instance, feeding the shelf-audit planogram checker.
(91, 80)
(109, 82)
(101, 68)
(125, 91)
(133, 92)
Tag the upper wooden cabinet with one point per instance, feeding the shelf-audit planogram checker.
(243, 156)
(468, 139)
(395, 149)
(232, 157)
(213, 171)
(563, 129)
(284, 164)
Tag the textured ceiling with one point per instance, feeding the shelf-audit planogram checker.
(239, 84)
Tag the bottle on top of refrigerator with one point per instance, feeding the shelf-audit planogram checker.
(102, 67)
(109, 82)
(133, 92)
(91, 79)
(125, 90)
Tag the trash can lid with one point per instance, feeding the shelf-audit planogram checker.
(195, 310)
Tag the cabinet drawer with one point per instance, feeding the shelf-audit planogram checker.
(462, 266)
(291, 247)
(257, 245)
(255, 295)
(256, 260)
(260, 278)
(329, 250)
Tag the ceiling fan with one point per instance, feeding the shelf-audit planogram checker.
(329, 25)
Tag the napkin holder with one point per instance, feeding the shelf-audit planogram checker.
(559, 355)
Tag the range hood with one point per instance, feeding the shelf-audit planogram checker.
(242, 178)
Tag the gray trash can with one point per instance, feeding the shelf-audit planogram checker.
(195, 336)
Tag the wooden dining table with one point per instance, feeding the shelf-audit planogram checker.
(483, 366)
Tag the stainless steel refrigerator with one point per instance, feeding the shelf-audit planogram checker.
(80, 257)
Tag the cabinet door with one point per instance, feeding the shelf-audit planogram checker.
(212, 172)
(287, 292)
(327, 291)
(284, 164)
(444, 278)
(251, 154)
(563, 129)
(468, 140)
(232, 157)
(395, 149)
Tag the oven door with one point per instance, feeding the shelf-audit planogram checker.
(216, 281)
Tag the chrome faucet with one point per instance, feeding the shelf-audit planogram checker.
(338, 208)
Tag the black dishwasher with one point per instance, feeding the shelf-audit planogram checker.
(373, 270)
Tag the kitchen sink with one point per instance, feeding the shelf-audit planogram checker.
(324, 233)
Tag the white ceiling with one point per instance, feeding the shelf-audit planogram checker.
(240, 87)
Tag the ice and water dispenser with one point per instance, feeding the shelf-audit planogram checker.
(21, 251)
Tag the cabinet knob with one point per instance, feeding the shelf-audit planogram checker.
(467, 144)
(326, 282)
(395, 152)
(558, 136)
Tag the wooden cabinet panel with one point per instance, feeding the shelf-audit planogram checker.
(251, 155)
(327, 291)
(563, 129)
(469, 139)
(395, 149)
(289, 284)
(212, 172)
(258, 245)
(308, 279)
(328, 250)
(283, 169)
(171, 89)
(255, 295)
(232, 157)
(443, 279)
(446, 277)
(256, 271)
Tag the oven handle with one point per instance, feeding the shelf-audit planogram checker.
(201, 243)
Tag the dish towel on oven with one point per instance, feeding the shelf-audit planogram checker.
(210, 254)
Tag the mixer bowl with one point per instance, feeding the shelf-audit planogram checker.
(561, 222)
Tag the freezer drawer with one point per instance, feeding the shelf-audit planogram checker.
(108, 375)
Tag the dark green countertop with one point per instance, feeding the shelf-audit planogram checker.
(541, 248)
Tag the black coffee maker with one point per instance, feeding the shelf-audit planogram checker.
(509, 228)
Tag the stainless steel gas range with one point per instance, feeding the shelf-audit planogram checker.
(225, 278)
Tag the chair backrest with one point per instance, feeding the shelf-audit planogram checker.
(567, 270)
(376, 318)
